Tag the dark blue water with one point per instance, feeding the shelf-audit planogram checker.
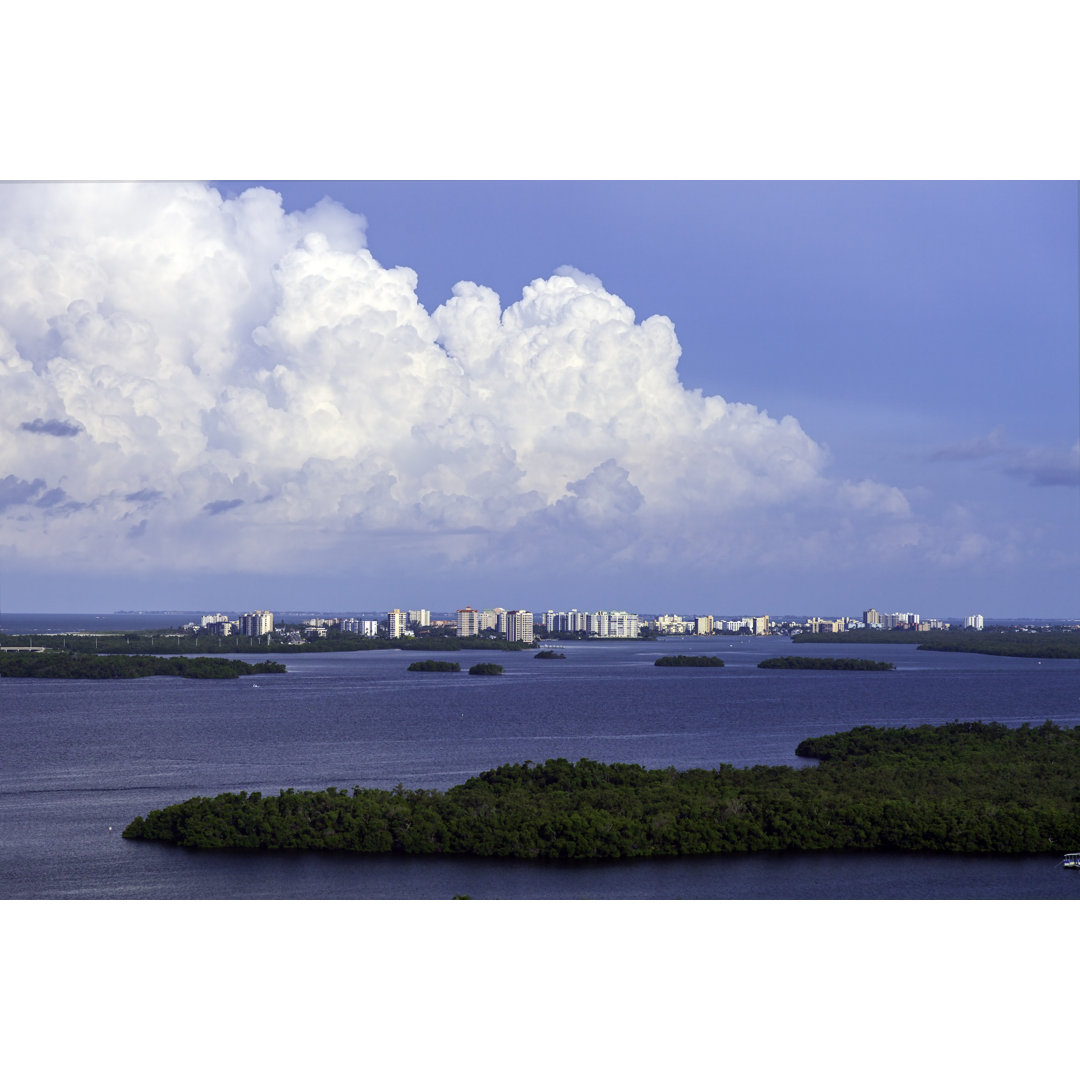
(81, 758)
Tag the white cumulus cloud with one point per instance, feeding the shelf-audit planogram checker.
(195, 380)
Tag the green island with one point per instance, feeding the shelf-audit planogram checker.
(434, 665)
(549, 654)
(486, 669)
(689, 661)
(967, 787)
(62, 665)
(1043, 645)
(826, 663)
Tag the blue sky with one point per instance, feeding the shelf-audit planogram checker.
(727, 397)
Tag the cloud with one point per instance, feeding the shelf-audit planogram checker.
(221, 506)
(60, 428)
(16, 492)
(1039, 466)
(263, 393)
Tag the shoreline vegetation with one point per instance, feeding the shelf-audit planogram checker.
(963, 787)
(689, 661)
(173, 641)
(1047, 645)
(61, 665)
(826, 663)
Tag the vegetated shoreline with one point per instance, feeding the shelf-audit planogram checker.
(964, 787)
(65, 665)
(172, 641)
(1045, 645)
(826, 663)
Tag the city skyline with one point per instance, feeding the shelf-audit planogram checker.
(785, 396)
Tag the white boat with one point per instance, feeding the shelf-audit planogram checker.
(1072, 860)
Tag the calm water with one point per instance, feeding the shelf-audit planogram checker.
(78, 758)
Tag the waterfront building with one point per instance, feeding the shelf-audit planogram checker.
(422, 617)
(255, 623)
(397, 623)
(623, 624)
(369, 628)
(468, 622)
(519, 625)
(759, 624)
(973, 622)
(703, 624)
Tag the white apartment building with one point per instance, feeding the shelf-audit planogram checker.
(571, 621)
(468, 622)
(613, 624)
(703, 624)
(397, 623)
(973, 622)
(369, 628)
(519, 625)
(422, 617)
(255, 623)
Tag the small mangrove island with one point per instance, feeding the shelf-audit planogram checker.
(549, 654)
(826, 663)
(689, 661)
(434, 665)
(486, 669)
(971, 787)
(65, 665)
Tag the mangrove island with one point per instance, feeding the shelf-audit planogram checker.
(64, 665)
(967, 787)
(826, 663)
(689, 661)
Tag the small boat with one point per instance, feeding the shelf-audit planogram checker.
(1072, 861)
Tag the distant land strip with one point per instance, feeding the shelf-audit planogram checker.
(1050, 645)
(66, 665)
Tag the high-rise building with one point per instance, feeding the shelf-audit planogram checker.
(519, 626)
(254, 623)
(420, 618)
(468, 622)
(973, 622)
(397, 623)
(704, 624)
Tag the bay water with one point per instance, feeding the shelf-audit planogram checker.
(79, 759)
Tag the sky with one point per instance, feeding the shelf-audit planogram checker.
(729, 397)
